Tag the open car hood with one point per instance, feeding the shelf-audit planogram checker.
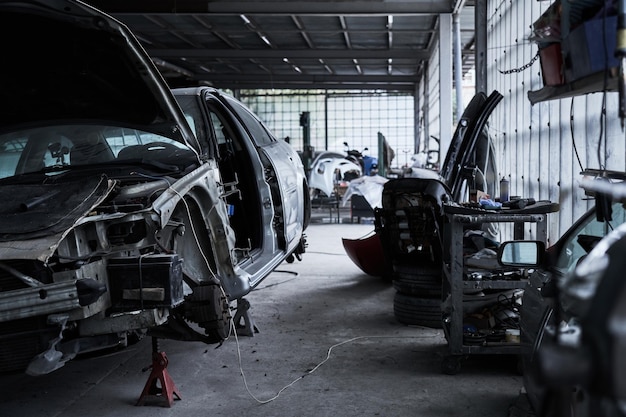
(29, 229)
(471, 146)
(80, 64)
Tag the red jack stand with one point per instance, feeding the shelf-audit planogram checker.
(159, 374)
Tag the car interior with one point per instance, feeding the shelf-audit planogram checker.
(239, 182)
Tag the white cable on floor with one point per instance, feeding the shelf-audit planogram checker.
(245, 382)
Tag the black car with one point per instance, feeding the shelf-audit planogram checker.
(546, 321)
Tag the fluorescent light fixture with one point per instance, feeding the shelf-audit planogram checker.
(264, 39)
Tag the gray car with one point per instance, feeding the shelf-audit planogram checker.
(121, 213)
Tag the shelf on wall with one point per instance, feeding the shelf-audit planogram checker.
(583, 58)
(594, 83)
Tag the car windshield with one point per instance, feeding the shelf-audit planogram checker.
(57, 147)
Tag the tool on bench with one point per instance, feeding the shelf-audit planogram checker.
(519, 203)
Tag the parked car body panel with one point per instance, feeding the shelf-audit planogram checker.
(118, 218)
(328, 168)
(270, 209)
(538, 315)
(104, 59)
(470, 160)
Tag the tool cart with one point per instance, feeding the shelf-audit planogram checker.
(458, 278)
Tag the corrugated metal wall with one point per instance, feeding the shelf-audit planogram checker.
(539, 146)
(432, 100)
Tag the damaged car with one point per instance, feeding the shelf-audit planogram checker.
(125, 211)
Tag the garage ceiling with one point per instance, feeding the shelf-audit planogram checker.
(341, 44)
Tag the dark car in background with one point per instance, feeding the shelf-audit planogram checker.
(121, 213)
(545, 322)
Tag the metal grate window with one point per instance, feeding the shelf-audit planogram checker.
(339, 116)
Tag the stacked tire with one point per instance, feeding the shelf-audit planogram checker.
(417, 301)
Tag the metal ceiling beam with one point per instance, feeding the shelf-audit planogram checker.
(292, 53)
(413, 7)
(150, 30)
(304, 78)
(235, 85)
(334, 8)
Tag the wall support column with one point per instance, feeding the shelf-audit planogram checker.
(445, 82)
(458, 66)
(480, 36)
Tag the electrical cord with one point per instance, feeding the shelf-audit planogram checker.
(571, 129)
(309, 372)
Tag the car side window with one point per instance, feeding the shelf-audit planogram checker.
(586, 237)
(260, 135)
(226, 139)
(195, 119)
(218, 129)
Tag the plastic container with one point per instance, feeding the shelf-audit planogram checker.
(504, 190)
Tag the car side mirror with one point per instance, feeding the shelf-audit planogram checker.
(521, 253)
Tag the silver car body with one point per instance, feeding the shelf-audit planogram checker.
(116, 216)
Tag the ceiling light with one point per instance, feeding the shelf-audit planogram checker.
(264, 39)
(245, 19)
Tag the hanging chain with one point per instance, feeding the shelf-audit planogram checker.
(523, 67)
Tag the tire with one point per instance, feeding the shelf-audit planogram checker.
(418, 311)
(417, 280)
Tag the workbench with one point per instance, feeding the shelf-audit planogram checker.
(458, 220)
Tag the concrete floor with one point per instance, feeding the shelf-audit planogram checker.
(328, 345)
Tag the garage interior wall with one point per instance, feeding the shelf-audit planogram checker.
(432, 99)
(537, 145)
(542, 148)
(336, 117)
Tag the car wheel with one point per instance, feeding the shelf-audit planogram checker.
(419, 311)
(208, 307)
